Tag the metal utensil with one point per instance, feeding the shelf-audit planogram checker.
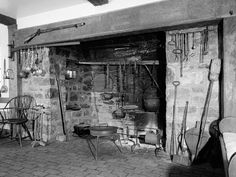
(205, 42)
(201, 48)
(186, 47)
(193, 41)
(182, 54)
(4, 88)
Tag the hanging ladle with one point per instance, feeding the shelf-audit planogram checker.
(193, 41)
(9, 74)
(4, 88)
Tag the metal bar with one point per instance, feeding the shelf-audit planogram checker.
(89, 145)
(97, 147)
(149, 62)
(41, 31)
(153, 79)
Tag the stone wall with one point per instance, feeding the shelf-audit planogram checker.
(43, 87)
(193, 83)
(126, 77)
(39, 86)
(84, 92)
(85, 101)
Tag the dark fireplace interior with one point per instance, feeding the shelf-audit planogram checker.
(111, 78)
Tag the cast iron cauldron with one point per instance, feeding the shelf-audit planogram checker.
(151, 100)
(103, 130)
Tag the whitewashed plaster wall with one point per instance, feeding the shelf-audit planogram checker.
(3, 54)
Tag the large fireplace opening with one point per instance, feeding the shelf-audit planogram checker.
(118, 81)
(127, 81)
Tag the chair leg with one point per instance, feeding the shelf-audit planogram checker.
(18, 131)
(33, 128)
(11, 131)
(96, 156)
(27, 130)
(2, 129)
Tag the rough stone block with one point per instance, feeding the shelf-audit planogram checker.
(73, 96)
(198, 89)
(77, 113)
(41, 81)
(87, 87)
(87, 112)
(85, 106)
(38, 96)
(53, 93)
(52, 81)
(191, 109)
(198, 100)
(169, 75)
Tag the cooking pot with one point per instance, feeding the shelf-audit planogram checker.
(152, 104)
(103, 130)
(107, 96)
(118, 114)
(151, 100)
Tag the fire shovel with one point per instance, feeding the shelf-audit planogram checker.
(183, 158)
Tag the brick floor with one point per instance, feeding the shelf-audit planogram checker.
(73, 159)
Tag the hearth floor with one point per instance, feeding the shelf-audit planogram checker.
(73, 159)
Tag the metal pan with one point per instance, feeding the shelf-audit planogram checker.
(103, 130)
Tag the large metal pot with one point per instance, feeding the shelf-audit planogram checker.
(107, 96)
(118, 114)
(152, 104)
(151, 100)
(102, 130)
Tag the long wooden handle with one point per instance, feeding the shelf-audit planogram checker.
(214, 73)
(183, 129)
(204, 118)
(173, 136)
(57, 73)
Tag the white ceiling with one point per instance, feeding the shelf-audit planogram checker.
(23, 8)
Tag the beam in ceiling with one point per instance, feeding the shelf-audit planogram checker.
(7, 20)
(98, 2)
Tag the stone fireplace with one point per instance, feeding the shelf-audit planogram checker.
(114, 65)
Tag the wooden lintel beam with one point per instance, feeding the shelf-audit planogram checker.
(98, 2)
(6, 20)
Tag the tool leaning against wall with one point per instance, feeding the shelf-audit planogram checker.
(182, 155)
(197, 137)
(173, 135)
(57, 75)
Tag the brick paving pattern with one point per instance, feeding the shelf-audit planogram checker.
(73, 159)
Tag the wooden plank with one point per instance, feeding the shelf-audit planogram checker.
(147, 17)
(7, 20)
(229, 65)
